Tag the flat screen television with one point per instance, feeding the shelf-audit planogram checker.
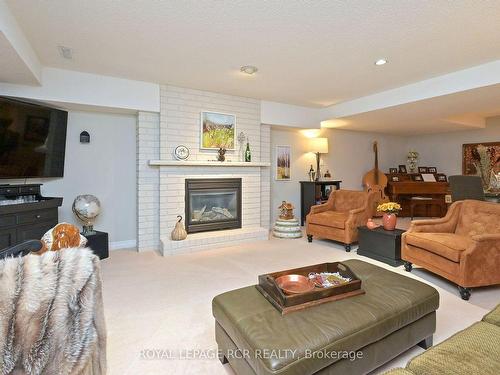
(32, 139)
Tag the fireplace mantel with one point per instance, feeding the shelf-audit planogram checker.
(194, 163)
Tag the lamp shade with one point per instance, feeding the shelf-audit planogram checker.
(319, 145)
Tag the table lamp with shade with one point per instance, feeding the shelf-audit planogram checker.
(318, 146)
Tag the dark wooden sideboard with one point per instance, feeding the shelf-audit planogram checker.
(25, 220)
(314, 192)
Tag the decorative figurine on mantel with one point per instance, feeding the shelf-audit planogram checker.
(287, 226)
(221, 154)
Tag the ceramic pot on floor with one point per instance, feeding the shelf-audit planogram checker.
(389, 221)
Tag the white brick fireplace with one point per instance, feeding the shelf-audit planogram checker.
(161, 178)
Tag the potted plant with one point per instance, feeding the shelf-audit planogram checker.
(390, 210)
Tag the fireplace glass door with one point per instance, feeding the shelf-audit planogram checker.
(213, 204)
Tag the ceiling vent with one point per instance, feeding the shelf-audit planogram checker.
(65, 52)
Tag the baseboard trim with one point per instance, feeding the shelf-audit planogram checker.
(117, 245)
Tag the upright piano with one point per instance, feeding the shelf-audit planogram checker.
(401, 191)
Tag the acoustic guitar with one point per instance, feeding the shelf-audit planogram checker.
(375, 180)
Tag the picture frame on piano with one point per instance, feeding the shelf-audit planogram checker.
(441, 177)
(422, 170)
(393, 170)
(402, 168)
(417, 177)
(428, 177)
(432, 170)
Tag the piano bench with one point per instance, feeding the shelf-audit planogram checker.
(426, 201)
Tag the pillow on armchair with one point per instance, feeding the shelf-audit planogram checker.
(62, 236)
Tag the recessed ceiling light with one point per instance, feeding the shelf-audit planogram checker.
(249, 69)
(65, 52)
(381, 62)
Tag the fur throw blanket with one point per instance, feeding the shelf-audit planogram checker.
(51, 314)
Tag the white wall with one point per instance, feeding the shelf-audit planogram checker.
(106, 168)
(444, 151)
(350, 157)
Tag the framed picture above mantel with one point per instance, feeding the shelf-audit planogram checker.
(217, 130)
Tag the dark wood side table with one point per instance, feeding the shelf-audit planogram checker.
(99, 244)
(380, 244)
(314, 192)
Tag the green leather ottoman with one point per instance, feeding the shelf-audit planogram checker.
(395, 314)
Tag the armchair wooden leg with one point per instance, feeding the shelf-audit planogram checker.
(408, 266)
(464, 293)
(309, 238)
(347, 247)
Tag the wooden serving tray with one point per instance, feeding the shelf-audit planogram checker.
(289, 303)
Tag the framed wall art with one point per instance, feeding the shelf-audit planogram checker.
(440, 177)
(428, 177)
(483, 160)
(217, 130)
(283, 162)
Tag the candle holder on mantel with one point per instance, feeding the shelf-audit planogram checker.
(241, 140)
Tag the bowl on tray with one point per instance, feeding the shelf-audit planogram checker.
(294, 284)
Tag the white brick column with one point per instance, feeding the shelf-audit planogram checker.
(265, 177)
(148, 181)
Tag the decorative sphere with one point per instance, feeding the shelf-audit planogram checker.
(86, 207)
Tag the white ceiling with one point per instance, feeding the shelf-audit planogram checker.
(459, 111)
(311, 52)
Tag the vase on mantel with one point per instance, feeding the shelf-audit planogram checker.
(389, 221)
(241, 140)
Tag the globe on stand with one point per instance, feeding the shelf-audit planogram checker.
(87, 207)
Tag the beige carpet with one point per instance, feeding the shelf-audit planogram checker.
(164, 303)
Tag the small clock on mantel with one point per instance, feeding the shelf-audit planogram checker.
(181, 152)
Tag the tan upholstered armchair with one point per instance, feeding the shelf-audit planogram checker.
(463, 246)
(339, 218)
